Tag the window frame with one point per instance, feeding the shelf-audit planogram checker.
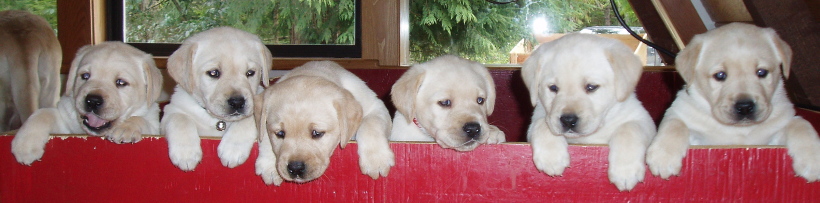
(115, 31)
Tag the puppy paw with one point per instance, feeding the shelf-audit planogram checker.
(552, 163)
(664, 162)
(28, 148)
(496, 136)
(626, 175)
(266, 168)
(233, 154)
(806, 164)
(125, 133)
(376, 162)
(185, 157)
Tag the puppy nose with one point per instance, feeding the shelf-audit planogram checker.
(472, 129)
(237, 103)
(569, 121)
(296, 168)
(745, 107)
(93, 102)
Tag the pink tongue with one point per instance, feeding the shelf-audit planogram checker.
(95, 121)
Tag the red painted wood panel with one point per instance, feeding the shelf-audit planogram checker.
(95, 170)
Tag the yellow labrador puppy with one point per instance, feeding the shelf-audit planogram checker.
(30, 58)
(111, 91)
(734, 95)
(311, 110)
(446, 100)
(582, 87)
(217, 71)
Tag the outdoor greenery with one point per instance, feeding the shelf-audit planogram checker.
(45, 8)
(474, 29)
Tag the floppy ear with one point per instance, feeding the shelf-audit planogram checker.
(627, 68)
(349, 114)
(405, 90)
(267, 65)
(531, 72)
(72, 72)
(152, 78)
(180, 64)
(489, 102)
(688, 58)
(260, 114)
(784, 51)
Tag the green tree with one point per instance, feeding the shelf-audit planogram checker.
(45, 8)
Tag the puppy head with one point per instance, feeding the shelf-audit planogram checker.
(305, 117)
(109, 82)
(222, 68)
(578, 78)
(737, 68)
(450, 98)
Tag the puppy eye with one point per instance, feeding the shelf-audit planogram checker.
(317, 134)
(213, 73)
(480, 100)
(280, 134)
(250, 73)
(553, 88)
(121, 83)
(85, 76)
(762, 73)
(445, 103)
(591, 88)
(720, 76)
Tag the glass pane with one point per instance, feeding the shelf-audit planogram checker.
(45, 8)
(304, 22)
(506, 33)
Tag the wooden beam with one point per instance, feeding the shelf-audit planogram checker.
(654, 26)
(74, 22)
(380, 31)
(681, 18)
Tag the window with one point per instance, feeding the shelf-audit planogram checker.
(45, 8)
(505, 32)
(305, 28)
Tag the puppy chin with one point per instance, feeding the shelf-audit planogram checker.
(458, 143)
(227, 114)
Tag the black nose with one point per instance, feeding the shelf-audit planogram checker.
(237, 103)
(472, 129)
(745, 107)
(569, 121)
(93, 102)
(296, 169)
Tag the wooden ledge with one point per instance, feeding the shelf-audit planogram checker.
(95, 170)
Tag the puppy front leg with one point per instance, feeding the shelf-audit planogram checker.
(496, 136)
(375, 155)
(237, 142)
(30, 141)
(549, 151)
(627, 148)
(668, 148)
(129, 131)
(183, 141)
(803, 144)
(266, 163)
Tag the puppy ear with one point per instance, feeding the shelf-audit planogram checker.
(72, 72)
(784, 51)
(405, 90)
(349, 114)
(627, 68)
(180, 65)
(531, 71)
(260, 114)
(687, 60)
(152, 78)
(489, 102)
(267, 65)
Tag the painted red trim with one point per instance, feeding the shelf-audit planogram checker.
(94, 170)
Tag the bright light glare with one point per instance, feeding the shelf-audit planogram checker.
(540, 25)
